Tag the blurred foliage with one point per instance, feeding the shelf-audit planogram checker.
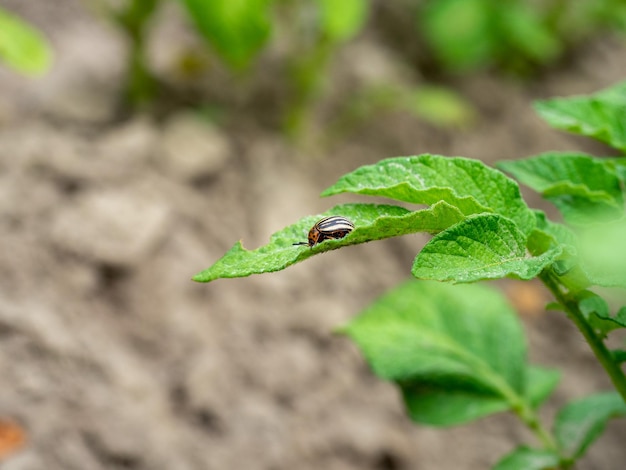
(236, 29)
(315, 37)
(298, 40)
(467, 34)
(22, 47)
(341, 21)
(457, 352)
(141, 86)
(437, 105)
(512, 35)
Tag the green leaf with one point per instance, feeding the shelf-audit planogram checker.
(23, 47)
(620, 168)
(580, 423)
(487, 32)
(372, 222)
(237, 29)
(525, 32)
(525, 458)
(613, 322)
(600, 115)
(603, 254)
(467, 184)
(343, 20)
(457, 352)
(560, 233)
(486, 246)
(447, 402)
(549, 235)
(540, 383)
(584, 188)
(472, 44)
(437, 105)
(619, 355)
(596, 311)
(620, 317)
(468, 400)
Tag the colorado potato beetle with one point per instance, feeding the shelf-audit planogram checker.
(328, 228)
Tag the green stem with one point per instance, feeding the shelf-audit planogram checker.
(531, 419)
(141, 87)
(521, 407)
(307, 76)
(570, 304)
(527, 414)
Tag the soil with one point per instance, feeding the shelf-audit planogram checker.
(111, 358)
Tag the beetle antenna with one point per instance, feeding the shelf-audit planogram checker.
(300, 243)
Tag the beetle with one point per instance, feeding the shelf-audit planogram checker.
(333, 227)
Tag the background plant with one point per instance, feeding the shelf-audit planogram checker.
(450, 36)
(457, 352)
(516, 36)
(22, 47)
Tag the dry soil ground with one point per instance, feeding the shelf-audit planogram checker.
(111, 358)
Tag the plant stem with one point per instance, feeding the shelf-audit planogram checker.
(530, 418)
(141, 86)
(570, 304)
(522, 409)
(307, 76)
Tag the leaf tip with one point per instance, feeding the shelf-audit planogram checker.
(199, 278)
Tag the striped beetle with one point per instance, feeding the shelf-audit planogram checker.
(328, 228)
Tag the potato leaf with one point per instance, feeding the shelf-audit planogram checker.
(457, 352)
(485, 246)
(372, 222)
(603, 253)
(526, 458)
(524, 30)
(472, 44)
(619, 355)
(469, 185)
(342, 20)
(23, 47)
(541, 383)
(596, 311)
(236, 29)
(600, 115)
(584, 188)
(580, 423)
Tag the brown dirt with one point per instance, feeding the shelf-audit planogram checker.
(111, 358)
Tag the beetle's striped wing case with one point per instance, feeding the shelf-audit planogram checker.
(333, 227)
